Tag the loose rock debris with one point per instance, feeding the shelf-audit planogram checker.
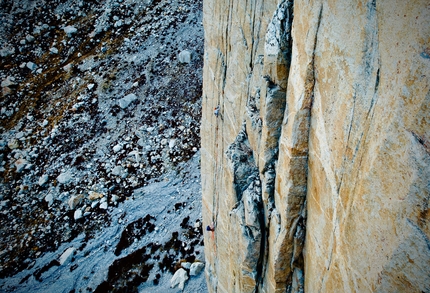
(94, 106)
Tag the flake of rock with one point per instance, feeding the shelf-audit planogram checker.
(196, 268)
(117, 148)
(8, 82)
(20, 164)
(163, 141)
(115, 198)
(185, 56)
(13, 144)
(104, 205)
(49, 198)
(127, 100)
(119, 171)
(70, 30)
(29, 38)
(92, 195)
(186, 265)
(136, 156)
(90, 86)
(53, 50)
(6, 91)
(66, 256)
(77, 215)
(74, 200)
(7, 51)
(64, 177)
(43, 180)
(20, 135)
(172, 143)
(5, 203)
(141, 142)
(31, 65)
(94, 204)
(179, 279)
(68, 67)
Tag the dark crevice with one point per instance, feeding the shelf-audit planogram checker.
(422, 141)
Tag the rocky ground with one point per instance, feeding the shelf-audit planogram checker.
(100, 112)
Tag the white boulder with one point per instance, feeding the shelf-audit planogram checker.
(179, 279)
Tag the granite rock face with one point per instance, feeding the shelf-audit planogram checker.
(316, 168)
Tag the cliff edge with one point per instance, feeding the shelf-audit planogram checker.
(316, 146)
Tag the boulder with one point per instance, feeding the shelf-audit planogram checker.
(186, 56)
(127, 100)
(65, 177)
(179, 279)
(70, 30)
(196, 268)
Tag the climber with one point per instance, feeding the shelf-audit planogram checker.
(211, 228)
(216, 111)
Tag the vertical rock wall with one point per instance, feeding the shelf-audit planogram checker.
(316, 172)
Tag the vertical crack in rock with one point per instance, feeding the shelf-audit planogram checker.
(246, 217)
(266, 111)
(285, 269)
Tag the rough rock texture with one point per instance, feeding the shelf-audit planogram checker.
(316, 170)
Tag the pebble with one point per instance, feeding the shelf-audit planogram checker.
(7, 51)
(30, 38)
(65, 177)
(141, 142)
(77, 215)
(68, 67)
(74, 201)
(115, 198)
(127, 100)
(53, 50)
(92, 195)
(70, 30)
(104, 205)
(119, 171)
(32, 66)
(117, 148)
(43, 180)
(49, 198)
(13, 144)
(8, 81)
(20, 164)
(185, 56)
